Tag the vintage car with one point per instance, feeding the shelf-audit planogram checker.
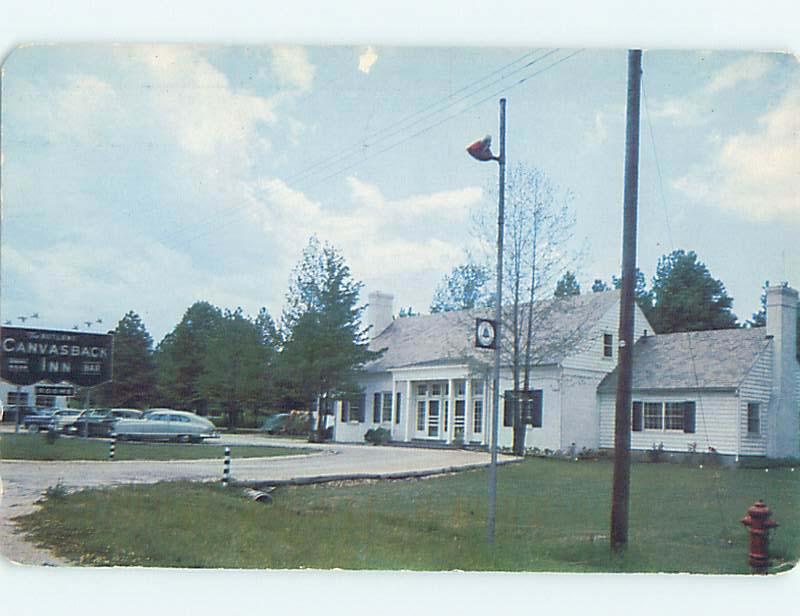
(100, 422)
(63, 419)
(166, 425)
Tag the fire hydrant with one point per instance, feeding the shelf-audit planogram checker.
(757, 519)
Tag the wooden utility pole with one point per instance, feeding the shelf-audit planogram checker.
(620, 498)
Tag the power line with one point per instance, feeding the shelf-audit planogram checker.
(407, 138)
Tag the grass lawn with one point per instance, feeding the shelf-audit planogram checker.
(552, 516)
(35, 447)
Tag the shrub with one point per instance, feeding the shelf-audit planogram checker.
(378, 436)
(656, 453)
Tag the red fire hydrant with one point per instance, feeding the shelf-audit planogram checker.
(757, 519)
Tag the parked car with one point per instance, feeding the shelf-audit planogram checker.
(100, 422)
(63, 419)
(10, 413)
(39, 419)
(275, 424)
(166, 425)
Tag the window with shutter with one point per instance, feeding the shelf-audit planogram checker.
(387, 406)
(508, 408)
(636, 423)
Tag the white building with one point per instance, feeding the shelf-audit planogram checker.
(734, 390)
(432, 384)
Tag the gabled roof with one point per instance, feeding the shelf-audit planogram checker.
(560, 325)
(712, 359)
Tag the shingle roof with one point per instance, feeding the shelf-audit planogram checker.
(717, 359)
(448, 337)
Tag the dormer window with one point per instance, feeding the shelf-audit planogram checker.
(608, 345)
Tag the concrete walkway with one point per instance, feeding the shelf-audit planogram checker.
(23, 482)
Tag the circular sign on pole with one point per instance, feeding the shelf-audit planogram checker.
(485, 334)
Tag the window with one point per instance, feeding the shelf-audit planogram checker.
(422, 389)
(387, 406)
(460, 417)
(461, 389)
(477, 416)
(433, 417)
(652, 416)
(673, 415)
(20, 398)
(436, 389)
(663, 416)
(46, 401)
(608, 345)
(376, 408)
(397, 409)
(420, 415)
(354, 409)
(531, 403)
(753, 418)
(477, 388)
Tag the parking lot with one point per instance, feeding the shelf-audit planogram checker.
(23, 482)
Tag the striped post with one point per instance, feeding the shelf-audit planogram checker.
(226, 471)
(112, 446)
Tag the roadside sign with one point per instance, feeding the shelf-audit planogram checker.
(33, 355)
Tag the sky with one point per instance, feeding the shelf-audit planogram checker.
(148, 177)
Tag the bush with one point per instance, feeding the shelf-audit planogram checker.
(656, 453)
(378, 436)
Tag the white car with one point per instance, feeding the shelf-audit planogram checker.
(166, 425)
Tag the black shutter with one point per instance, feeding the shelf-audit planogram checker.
(345, 410)
(397, 408)
(376, 408)
(688, 417)
(536, 415)
(508, 409)
(362, 408)
(636, 424)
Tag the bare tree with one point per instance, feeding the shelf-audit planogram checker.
(538, 226)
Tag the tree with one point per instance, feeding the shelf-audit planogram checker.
(235, 369)
(687, 298)
(133, 366)
(465, 287)
(643, 297)
(181, 357)
(538, 223)
(324, 344)
(599, 286)
(567, 285)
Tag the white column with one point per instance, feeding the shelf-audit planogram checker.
(410, 419)
(467, 409)
(451, 410)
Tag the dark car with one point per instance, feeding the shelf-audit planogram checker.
(10, 413)
(40, 419)
(100, 422)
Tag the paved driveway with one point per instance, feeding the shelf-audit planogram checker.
(23, 482)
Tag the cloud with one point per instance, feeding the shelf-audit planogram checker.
(292, 66)
(367, 59)
(693, 108)
(755, 174)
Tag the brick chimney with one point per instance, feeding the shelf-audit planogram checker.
(784, 407)
(379, 312)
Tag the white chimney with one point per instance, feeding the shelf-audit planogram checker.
(784, 417)
(379, 312)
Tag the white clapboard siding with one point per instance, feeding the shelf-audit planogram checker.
(715, 423)
(756, 387)
(353, 431)
(588, 354)
(580, 422)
